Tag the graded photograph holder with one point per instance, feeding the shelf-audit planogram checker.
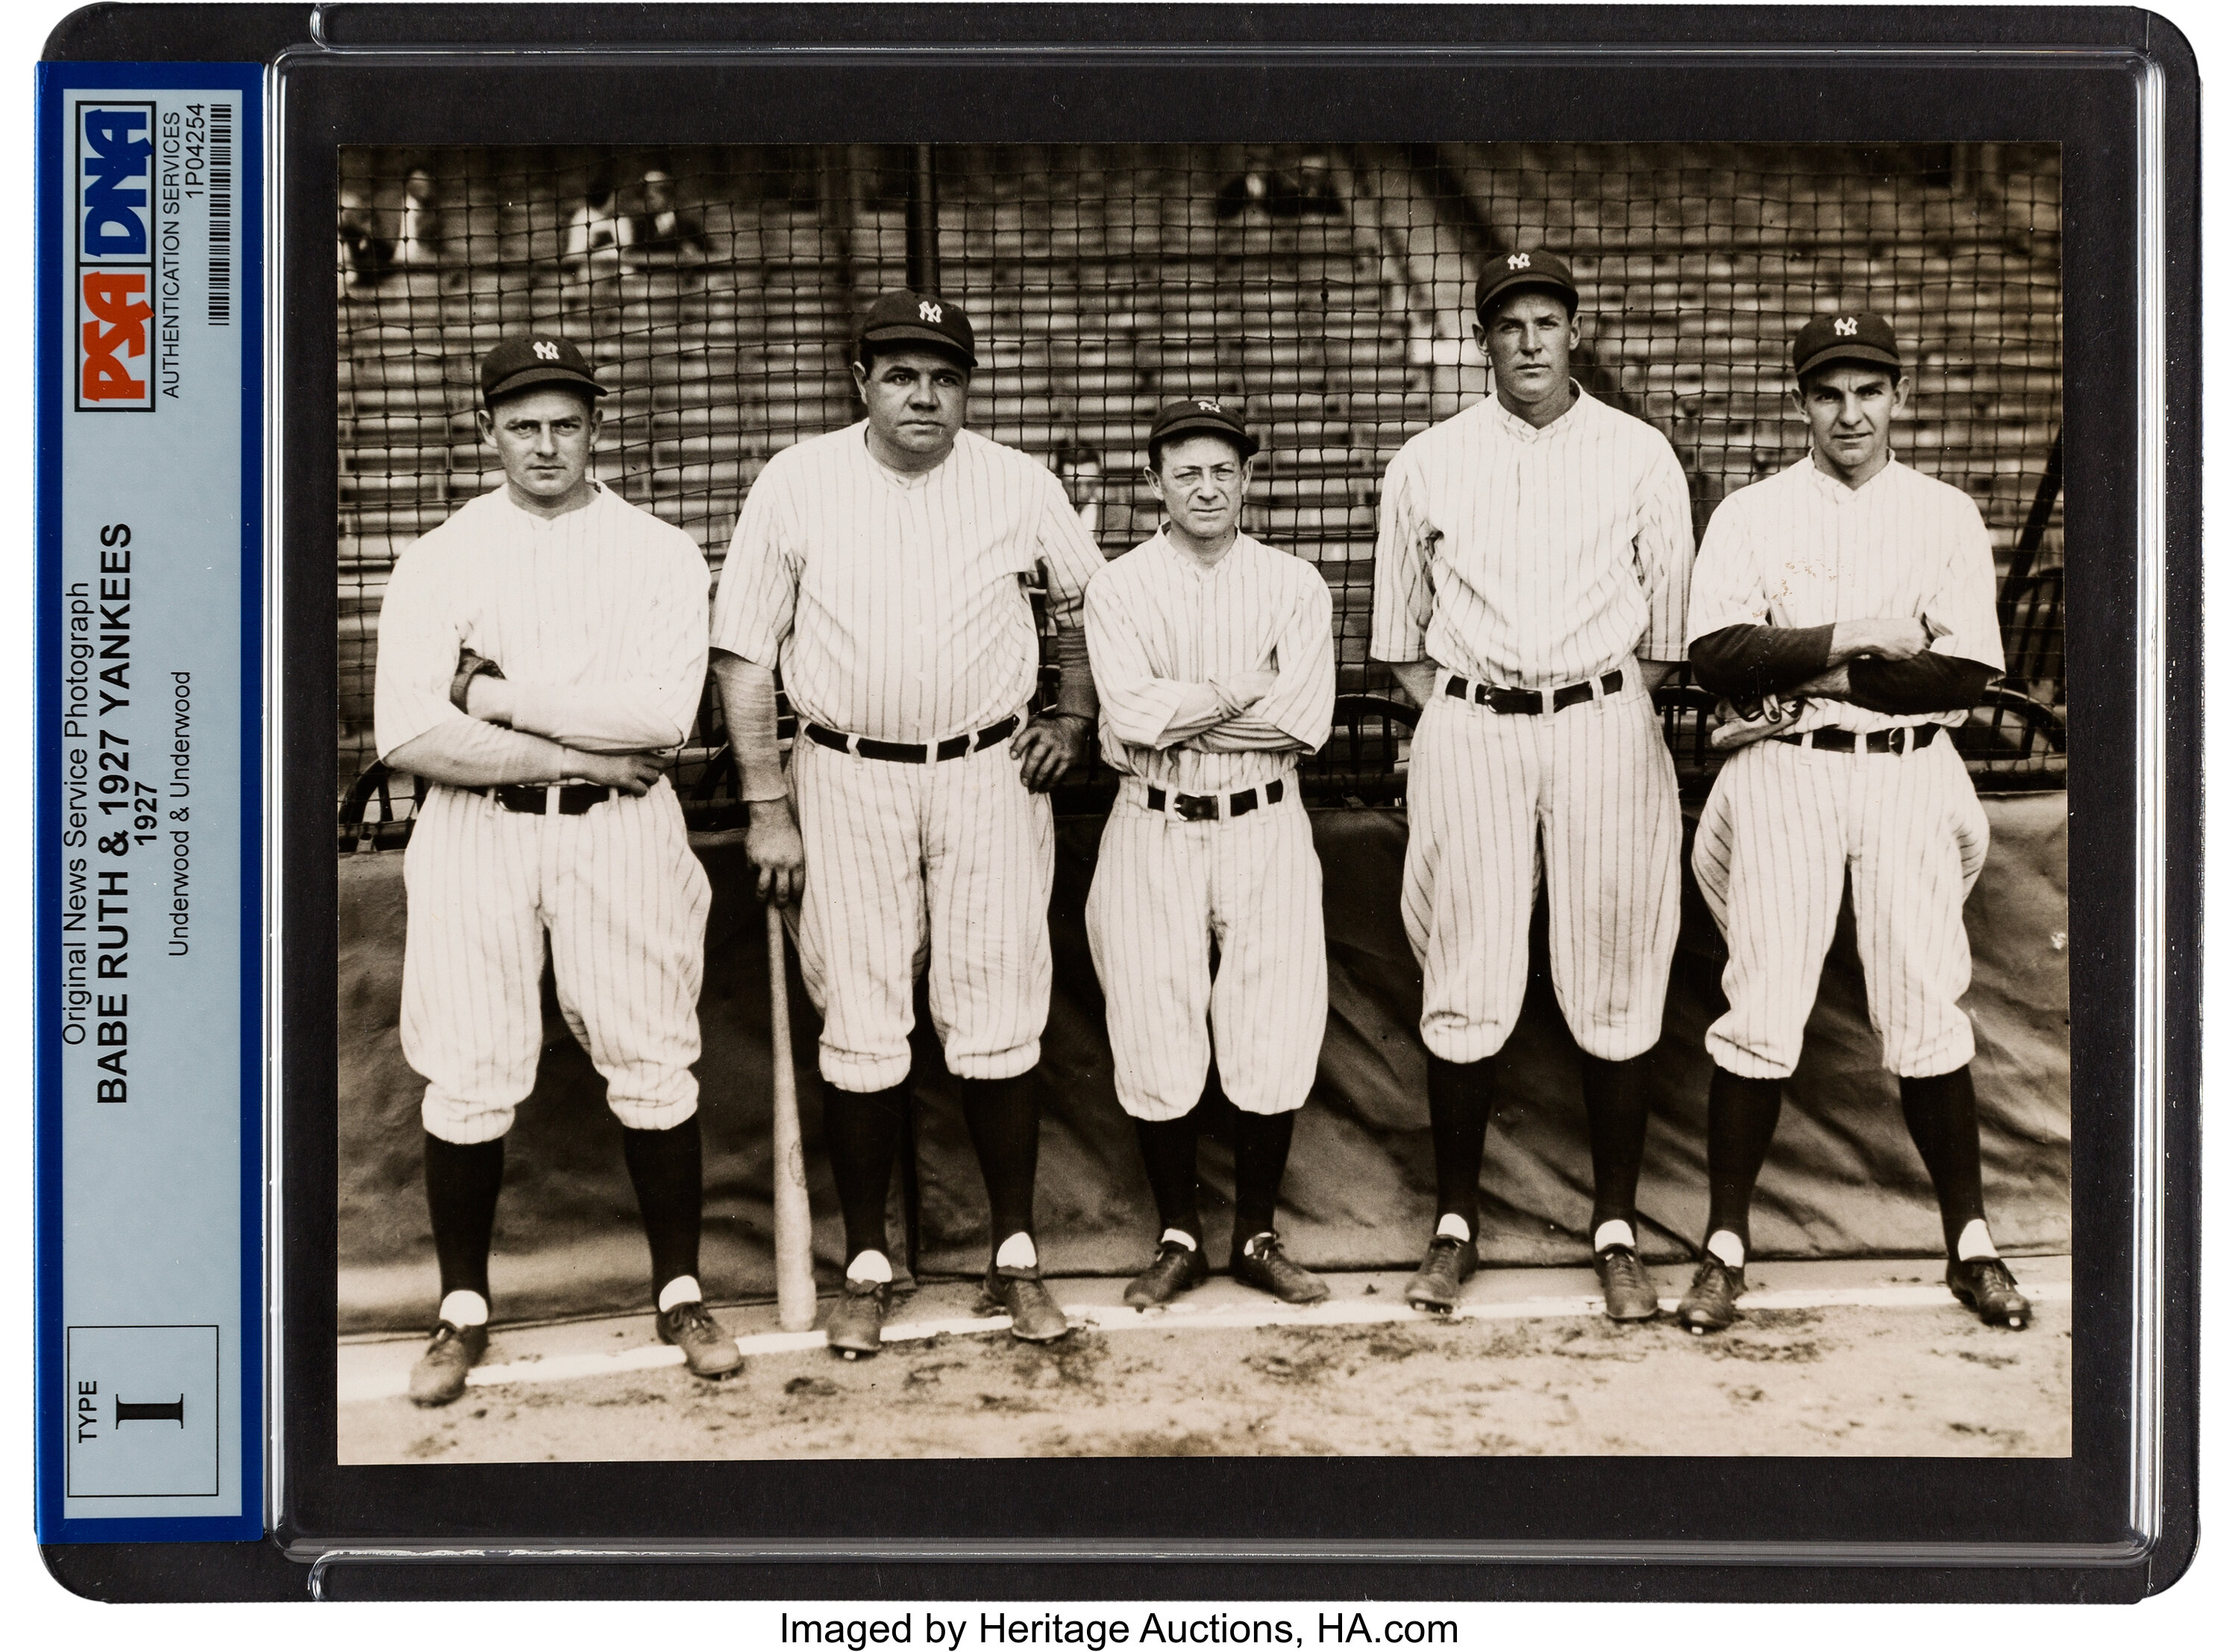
(1271, 613)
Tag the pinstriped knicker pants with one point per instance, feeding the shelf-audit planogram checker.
(1163, 890)
(625, 901)
(1588, 794)
(944, 867)
(1783, 826)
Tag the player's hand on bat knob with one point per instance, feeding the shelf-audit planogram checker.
(774, 851)
(633, 772)
(1047, 747)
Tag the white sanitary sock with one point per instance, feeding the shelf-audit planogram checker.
(1175, 1236)
(1726, 1246)
(1615, 1231)
(1017, 1251)
(1452, 1226)
(465, 1309)
(1974, 1241)
(682, 1288)
(871, 1266)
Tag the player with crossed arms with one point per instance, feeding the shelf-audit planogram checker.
(537, 651)
(1215, 667)
(1531, 569)
(1858, 598)
(882, 568)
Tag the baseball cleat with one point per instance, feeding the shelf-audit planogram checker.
(1177, 1268)
(852, 1330)
(708, 1354)
(1629, 1293)
(1019, 1292)
(1448, 1264)
(441, 1375)
(1259, 1262)
(1709, 1302)
(1986, 1285)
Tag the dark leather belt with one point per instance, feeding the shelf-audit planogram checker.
(1911, 738)
(1524, 702)
(901, 751)
(1186, 807)
(549, 800)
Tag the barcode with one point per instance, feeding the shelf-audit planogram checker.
(220, 215)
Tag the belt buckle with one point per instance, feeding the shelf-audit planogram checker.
(1900, 741)
(1481, 693)
(1196, 807)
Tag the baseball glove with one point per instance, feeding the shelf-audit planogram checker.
(471, 665)
(1743, 725)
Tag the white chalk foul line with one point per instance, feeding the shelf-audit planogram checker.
(1181, 1316)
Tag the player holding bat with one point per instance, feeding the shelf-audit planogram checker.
(1860, 595)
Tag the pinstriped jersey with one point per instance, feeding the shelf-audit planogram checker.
(1534, 558)
(895, 605)
(1160, 625)
(598, 617)
(1801, 549)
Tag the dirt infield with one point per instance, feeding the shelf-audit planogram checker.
(1843, 1378)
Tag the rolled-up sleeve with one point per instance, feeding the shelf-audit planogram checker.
(760, 587)
(1663, 551)
(1069, 558)
(1403, 598)
(421, 629)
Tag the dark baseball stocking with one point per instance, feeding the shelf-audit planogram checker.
(1743, 1114)
(462, 1184)
(1262, 1148)
(664, 1167)
(1005, 1123)
(1461, 1107)
(1616, 1115)
(861, 1132)
(1170, 1159)
(1944, 1127)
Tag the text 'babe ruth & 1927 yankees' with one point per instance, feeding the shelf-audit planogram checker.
(882, 568)
(1216, 666)
(1859, 597)
(1531, 575)
(536, 650)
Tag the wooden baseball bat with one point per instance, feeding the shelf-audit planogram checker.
(796, 1267)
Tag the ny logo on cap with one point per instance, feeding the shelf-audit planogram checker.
(545, 351)
(1518, 260)
(1210, 407)
(928, 310)
(1846, 327)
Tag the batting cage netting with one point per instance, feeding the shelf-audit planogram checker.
(1324, 287)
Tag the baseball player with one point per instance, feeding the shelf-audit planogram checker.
(1859, 596)
(1215, 668)
(536, 650)
(1532, 561)
(882, 568)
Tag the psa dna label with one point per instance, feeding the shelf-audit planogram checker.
(116, 270)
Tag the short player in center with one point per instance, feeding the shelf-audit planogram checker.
(1531, 572)
(884, 566)
(1215, 667)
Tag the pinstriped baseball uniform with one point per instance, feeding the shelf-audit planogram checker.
(1161, 628)
(895, 608)
(1530, 559)
(1785, 823)
(598, 617)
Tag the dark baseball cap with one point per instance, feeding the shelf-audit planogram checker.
(522, 364)
(919, 318)
(1200, 415)
(1853, 336)
(1503, 273)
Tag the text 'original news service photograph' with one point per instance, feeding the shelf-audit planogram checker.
(1166, 800)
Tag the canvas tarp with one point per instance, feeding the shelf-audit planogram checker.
(1843, 1179)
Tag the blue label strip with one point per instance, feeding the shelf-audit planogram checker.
(149, 981)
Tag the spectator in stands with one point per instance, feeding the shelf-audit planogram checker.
(364, 255)
(596, 233)
(420, 232)
(662, 234)
(1309, 190)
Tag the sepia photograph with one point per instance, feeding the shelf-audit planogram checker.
(1169, 800)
